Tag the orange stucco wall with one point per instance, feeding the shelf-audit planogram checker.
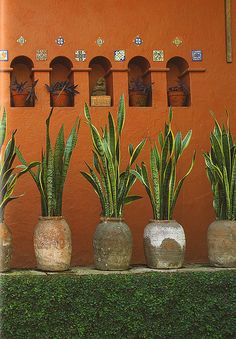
(199, 23)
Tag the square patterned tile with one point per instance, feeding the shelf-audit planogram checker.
(158, 55)
(3, 55)
(80, 55)
(197, 55)
(119, 55)
(41, 54)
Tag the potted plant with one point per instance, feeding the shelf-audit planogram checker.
(164, 238)
(52, 236)
(62, 93)
(8, 180)
(138, 92)
(221, 171)
(112, 240)
(178, 95)
(23, 94)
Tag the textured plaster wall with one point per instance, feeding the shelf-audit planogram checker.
(199, 23)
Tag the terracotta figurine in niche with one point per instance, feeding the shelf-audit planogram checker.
(100, 87)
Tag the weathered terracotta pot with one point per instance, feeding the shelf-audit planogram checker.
(137, 99)
(5, 247)
(176, 98)
(52, 244)
(19, 99)
(221, 239)
(60, 99)
(112, 244)
(164, 244)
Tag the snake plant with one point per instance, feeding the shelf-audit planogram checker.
(161, 185)
(52, 170)
(8, 174)
(221, 170)
(110, 183)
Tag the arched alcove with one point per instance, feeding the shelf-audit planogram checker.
(61, 72)
(140, 84)
(22, 82)
(100, 82)
(178, 82)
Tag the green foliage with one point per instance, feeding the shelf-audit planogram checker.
(110, 183)
(161, 185)
(149, 305)
(221, 170)
(52, 170)
(8, 175)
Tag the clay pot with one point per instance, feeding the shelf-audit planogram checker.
(164, 244)
(137, 99)
(5, 247)
(61, 99)
(221, 239)
(52, 244)
(112, 244)
(19, 99)
(176, 98)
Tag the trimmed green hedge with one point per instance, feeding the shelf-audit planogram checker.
(148, 305)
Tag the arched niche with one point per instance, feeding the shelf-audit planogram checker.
(178, 81)
(61, 71)
(140, 84)
(21, 80)
(100, 82)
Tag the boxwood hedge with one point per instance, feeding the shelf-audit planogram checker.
(147, 305)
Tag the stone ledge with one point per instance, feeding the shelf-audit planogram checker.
(135, 269)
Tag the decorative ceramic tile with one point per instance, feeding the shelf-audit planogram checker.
(99, 41)
(138, 41)
(119, 55)
(21, 40)
(158, 55)
(177, 42)
(3, 55)
(197, 55)
(80, 55)
(60, 41)
(41, 54)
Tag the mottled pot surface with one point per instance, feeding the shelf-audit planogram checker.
(112, 245)
(221, 237)
(5, 247)
(164, 244)
(52, 244)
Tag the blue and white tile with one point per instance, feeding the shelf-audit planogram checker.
(60, 41)
(197, 55)
(158, 55)
(3, 55)
(21, 40)
(41, 54)
(80, 55)
(138, 40)
(99, 41)
(119, 55)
